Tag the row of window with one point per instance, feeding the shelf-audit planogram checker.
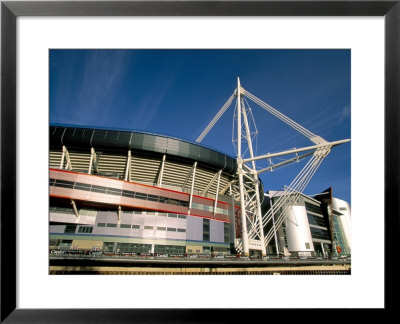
(140, 248)
(116, 192)
(316, 220)
(206, 229)
(133, 194)
(210, 208)
(313, 208)
(321, 234)
(146, 227)
(82, 229)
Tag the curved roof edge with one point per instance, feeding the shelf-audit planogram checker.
(78, 136)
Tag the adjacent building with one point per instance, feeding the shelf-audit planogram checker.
(314, 226)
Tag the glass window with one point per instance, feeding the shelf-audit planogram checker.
(127, 193)
(64, 184)
(112, 191)
(111, 225)
(181, 230)
(313, 208)
(161, 228)
(135, 226)
(98, 189)
(82, 186)
(226, 232)
(85, 229)
(316, 220)
(182, 216)
(70, 229)
(148, 227)
(152, 197)
(184, 203)
(125, 226)
(140, 195)
(101, 225)
(317, 233)
(163, 200)
(172, 215)
(169, 229)
(173, 202)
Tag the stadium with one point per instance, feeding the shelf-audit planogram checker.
(119, 192)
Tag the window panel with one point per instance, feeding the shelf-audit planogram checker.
(82, 186)
(129, 194)
(140, 195)
(98, 189)
(112, 191)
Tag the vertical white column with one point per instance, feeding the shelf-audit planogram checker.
(128, 166)
(216, 193)
(119, 214)
(62, 158)
(75, 210)
(69, 164)
(245, 239)
(160, 176)
(191, 189)
(256, 187)
(92, 153)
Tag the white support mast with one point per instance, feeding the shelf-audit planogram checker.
(245, 239)
(256, 183)
(246, 186)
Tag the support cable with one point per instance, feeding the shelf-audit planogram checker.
(215, 119)
(279, 115)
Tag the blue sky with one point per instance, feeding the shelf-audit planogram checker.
(178, 92)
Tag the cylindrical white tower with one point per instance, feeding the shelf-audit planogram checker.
(298, 232)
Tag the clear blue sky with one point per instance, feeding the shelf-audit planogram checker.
(178, 92)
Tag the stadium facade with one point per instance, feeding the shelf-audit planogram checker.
(133, 192)
(120, 191)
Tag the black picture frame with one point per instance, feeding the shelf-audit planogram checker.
(10, 10)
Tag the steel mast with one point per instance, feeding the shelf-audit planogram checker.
(240, 163)
(246, 189)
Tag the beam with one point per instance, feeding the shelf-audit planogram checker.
(92, 159)
(267, 156)
(216, 192)
(192, 187)
(227, 186)
(188, 177)
(160, 174)
(69, 164)
(297, 158)
(62, 158)
(75, 209)
(128, 166)
(210, 183)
